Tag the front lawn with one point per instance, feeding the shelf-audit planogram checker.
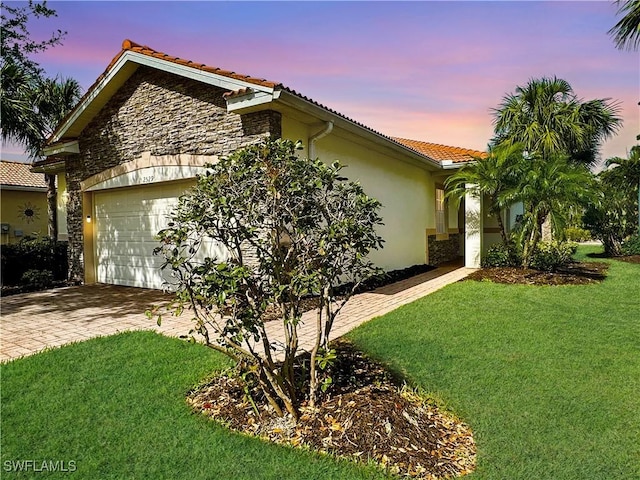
(116, 408)
(547, 377)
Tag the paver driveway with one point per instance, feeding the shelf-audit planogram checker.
(31, 322)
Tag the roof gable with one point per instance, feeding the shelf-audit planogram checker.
(125, 63)
(132, 55)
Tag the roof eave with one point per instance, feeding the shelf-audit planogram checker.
(49, 166)
(248, 102)
(451, 165)
(62, 148)
(22, 188)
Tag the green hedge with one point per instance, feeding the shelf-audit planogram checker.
(548, 256)
(31, 255)
(631, 246)
(501, 255)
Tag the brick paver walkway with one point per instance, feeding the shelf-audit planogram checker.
(366, 306)
(34, 321)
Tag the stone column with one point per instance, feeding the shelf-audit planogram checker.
(473, 228)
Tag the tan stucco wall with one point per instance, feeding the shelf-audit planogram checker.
(14, 204)
(294, 130)
(405, 191)
(61, 201)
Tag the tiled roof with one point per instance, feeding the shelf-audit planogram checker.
(435, 152)
(442, 152)
(134, 47)
(19, 175)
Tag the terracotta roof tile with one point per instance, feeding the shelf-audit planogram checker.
(19, 175)
(442, 152)
(135, 47)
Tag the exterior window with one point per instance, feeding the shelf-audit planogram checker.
(441, 213)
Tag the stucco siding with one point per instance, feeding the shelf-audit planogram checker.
(61, 205)
(25, 212)
(296, 130)
(403, 190)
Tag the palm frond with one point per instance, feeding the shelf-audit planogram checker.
(626, 33)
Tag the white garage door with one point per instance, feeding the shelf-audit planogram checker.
(127, 221)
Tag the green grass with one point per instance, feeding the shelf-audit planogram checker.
(547, 377)
(116, 407)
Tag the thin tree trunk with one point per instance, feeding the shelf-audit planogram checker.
(313, 371)
(52, 207)
(503, 231)
(547, 230)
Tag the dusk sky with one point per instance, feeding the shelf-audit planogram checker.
(428, 71)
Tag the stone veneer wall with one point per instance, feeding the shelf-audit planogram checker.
(163, 114)
(441, 251)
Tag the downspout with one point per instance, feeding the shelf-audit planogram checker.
(317, 136)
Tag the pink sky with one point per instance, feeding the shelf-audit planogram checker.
(429, 71)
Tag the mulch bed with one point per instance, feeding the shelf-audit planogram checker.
(573, 274)
(364, 416)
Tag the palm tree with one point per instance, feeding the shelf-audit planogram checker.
(488, 177)
(548, 119)
(628, 170)
(53, 99)
(20, 123)
(548, 188)
(32, 106)
(626, 33)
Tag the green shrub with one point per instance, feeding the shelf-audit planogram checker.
(549, 256)
(501, 255)
(615, 216)
(576, 234)
(37, 279)
(33, 254)
(631, 246)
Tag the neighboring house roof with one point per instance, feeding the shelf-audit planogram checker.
(240, 87)
(18, 175)
(442, 152)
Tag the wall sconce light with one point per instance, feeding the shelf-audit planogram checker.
(88, 218)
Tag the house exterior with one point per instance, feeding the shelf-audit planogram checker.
(23, 200)
(150, 123)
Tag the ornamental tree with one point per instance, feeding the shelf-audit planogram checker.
(285, 228)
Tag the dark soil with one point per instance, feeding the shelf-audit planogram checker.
(17, 289)
(629, 259)
(365, 416)
(572, 274)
